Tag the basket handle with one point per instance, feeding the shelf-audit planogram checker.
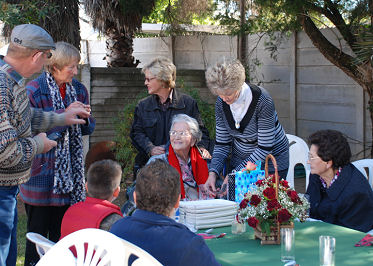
(270, 156)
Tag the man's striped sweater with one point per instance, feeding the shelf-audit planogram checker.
(17, 124)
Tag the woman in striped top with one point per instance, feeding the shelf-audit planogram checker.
(247, 126)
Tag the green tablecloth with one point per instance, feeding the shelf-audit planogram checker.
(244, 250)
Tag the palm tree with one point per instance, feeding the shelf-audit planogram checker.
(118, 20)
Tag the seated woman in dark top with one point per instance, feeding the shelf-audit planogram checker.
(339, 193)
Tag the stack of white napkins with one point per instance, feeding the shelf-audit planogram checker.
(207, 213)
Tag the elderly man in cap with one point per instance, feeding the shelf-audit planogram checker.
(20, 126)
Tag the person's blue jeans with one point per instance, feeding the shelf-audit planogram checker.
(8, 225)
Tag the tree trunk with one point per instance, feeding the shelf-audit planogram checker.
(64, 25)
(119, 49)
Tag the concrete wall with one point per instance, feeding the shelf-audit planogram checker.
(309, 92)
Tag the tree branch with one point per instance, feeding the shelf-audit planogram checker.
(332, 53)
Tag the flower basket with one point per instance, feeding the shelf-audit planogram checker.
(274, 237)
(272, 205)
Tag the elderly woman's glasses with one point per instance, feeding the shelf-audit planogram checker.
(149, 79)
(184, 133)
(311, 157)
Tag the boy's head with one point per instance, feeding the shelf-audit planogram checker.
(157, 188)
(103, 180)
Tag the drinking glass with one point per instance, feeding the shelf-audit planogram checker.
(287, 245)
(238, 228)
(327, 250)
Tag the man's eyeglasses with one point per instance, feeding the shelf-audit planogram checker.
(174, 133)
(48, 54)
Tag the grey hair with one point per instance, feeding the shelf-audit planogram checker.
(163, 69)
(225, 75)
(192, 124)
(64, 54)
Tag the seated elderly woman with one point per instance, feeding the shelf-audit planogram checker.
(185, 157)
(338, 192)
(152, 117)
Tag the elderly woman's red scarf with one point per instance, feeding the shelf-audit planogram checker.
(199, 167)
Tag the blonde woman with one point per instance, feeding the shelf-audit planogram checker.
(247, 125)
(57, 177)
(152, 119)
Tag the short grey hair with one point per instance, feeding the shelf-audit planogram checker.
(225, 75)
(64, 55)
(163, 69)
(192, 124)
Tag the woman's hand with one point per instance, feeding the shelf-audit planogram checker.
(157, 150)
(79, 105)
(224, 188)
(205, 153)
(210, 184)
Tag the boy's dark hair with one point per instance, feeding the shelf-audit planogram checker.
(103, 178)
(332, 145)
(157, 187)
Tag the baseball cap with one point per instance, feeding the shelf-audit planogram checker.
(32, 36)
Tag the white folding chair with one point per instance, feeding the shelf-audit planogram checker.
(364, 164)
(298, 154)
(42, 243)
(95, 247)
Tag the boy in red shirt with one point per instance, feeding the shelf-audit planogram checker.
(97, 211)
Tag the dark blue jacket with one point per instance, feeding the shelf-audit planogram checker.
(171, 243)
(347, 202)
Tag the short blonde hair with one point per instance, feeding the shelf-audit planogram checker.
(163, 69)
(225, 75)
(64, 54)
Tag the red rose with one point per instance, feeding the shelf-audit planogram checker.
(272, 178)
(273, 205)
(269, 193)
(255, 200)
(259, 183)
(284, 216)
(284, 183)
(243, 203)
(253, 222)
(294, 196)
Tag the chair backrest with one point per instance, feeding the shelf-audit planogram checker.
(364, 164)
(298, 154)
(42, 243)
(94, 247)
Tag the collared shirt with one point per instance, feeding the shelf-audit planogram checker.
(241, 105)
(333, 180)
(164, 106)
(190, 185)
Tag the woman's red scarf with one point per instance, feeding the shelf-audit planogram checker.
(199, 167)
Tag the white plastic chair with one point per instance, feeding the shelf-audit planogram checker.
(365, 164)
(298, 154)
(42, 243)
(95, 247)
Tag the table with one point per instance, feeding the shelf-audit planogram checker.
(244, 250)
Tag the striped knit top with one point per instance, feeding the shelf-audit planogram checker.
(259, 134)
(17, 146)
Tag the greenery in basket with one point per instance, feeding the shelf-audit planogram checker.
(261, 208)
(125, 152)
